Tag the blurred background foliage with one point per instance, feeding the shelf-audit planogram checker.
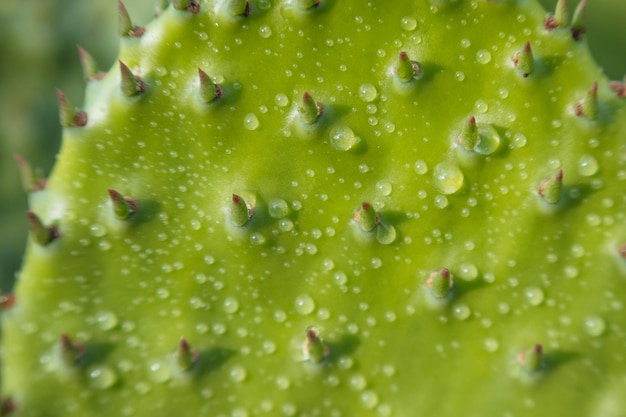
(38, 53)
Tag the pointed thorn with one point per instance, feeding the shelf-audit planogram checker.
(239, 8)
(31, 181)
(41, 233)
(308, 4)
(72, 351)
(67, 114)
(579, 26)
(618, 87)
(125, 25)
(550, 188)
(366, 217)
(191, 6)
(440, 283)
(405, 69)
(314, 349)
(588, 107)
(309, 109)
(240, 212)
(524, 61)
(560, 18)
(131, 84)
(185, 356)
(531, 359)
(7, 407)
(209, 91)
(6, 301)
(90, 70)
(469, 136)
(123, 206)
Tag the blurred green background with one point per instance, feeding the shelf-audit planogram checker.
(38, 53)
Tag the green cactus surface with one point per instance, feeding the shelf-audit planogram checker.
(330, 208)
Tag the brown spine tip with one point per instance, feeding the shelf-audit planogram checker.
(41, 233)
(69, 116)
(588, 107)
(618, 87)
(309, 109)
(405, 69)
(366, 217)
(550, 189)
(239, 8)
(185, 356)
(6, 301)
(209, 91)
(314, 348)
(531, 359)
(191, 6)
(579, 26)
(469, 136)
(560, 18)
(123, 206)
(7, 407)
(31, 180)
(131, 84)
(72, 351)
(125, 25)
(240, 211)
(90, 70)
(621, 251)
(524, 61)
(440, 283)
(308, 4)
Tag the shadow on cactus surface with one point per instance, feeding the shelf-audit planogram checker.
(333, 208)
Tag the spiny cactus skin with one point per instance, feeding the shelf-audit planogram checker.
(174, 309)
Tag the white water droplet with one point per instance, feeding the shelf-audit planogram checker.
(357, 382)
(448, 178)
(342, 138)
(384, 187)
(230, 305)
(534, 295)
(376, 262)
(250, 121)
(420, 167)
(408, 23)
(101, 377)
(265, 31)
(491, 344)
(278, 208)
(595, 326)
(483, 56)
(467, 271)
(281, 100)
(160, 372)
(257, 239)
(587, 165)
(106, 320)
(368, 92)
(461, 311)
(304, 304)
(369, 399)
(237, 373)
(489, 140)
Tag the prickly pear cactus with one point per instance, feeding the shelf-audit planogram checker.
(330, 208)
